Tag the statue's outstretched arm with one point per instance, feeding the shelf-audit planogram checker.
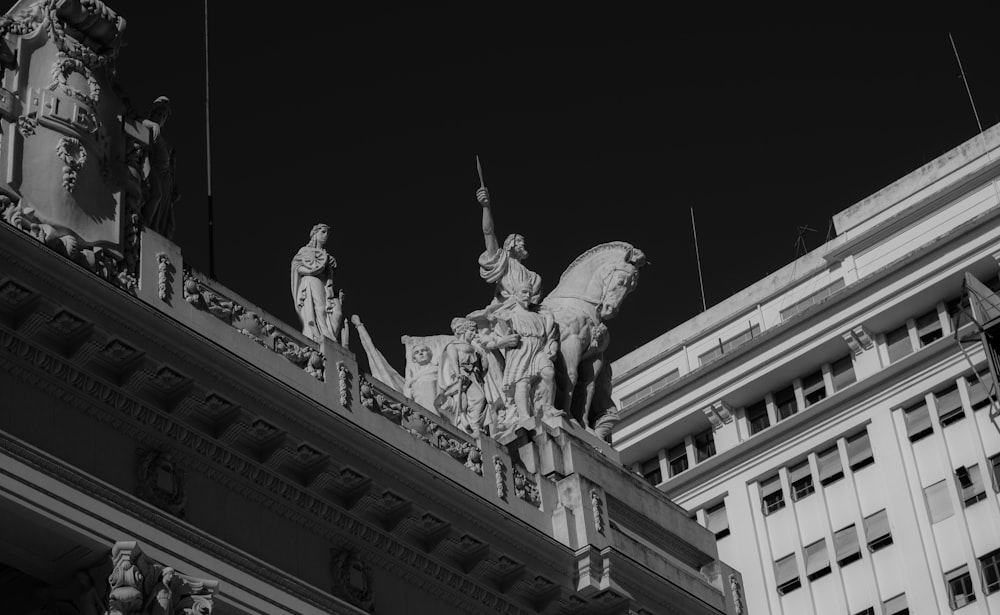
(489, 235)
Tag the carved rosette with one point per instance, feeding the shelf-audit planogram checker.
(352, 579)
(161, 482)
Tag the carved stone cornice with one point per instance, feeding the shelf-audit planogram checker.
(149, 426)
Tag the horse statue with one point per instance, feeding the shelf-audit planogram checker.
(591, 291)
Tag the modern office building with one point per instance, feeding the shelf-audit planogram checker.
(169, 448)
(827, 425)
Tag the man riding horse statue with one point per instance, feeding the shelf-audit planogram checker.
(590, 291)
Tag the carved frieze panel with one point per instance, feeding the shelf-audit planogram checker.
(352, 579)
(161, 481)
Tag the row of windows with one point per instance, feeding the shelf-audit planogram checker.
(651, 389)
(893, 606)
(829, 468)
(948, 403)
(814, 389)
(846, 549)
(703, 447)
(729, 345)
(961, 589)
(811, 300)
(971, 488)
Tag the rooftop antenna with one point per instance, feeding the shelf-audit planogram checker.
(968, 90)
(208, 161)
(829, 231)
(800, 241)
(697, 258)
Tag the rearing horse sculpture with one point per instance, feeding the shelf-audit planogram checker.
(590, 291)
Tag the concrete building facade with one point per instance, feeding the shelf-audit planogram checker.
(826, 424)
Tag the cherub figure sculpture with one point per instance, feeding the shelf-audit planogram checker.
(319, 307)
(421, 381)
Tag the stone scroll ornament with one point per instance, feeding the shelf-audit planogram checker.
(139, 586)
(72, 150)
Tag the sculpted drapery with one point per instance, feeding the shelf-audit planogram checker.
(320, 309)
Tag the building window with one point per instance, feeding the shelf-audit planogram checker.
(813, 388)
(995, 468)
(980, 390)
(842, 373)
(817, 560)
(811, 300)
(898, 343)
(757, 417)
(896, 606)
(970, 480)
(959, 583)
(651, 389)
(877, 532)
(771, 495)
(929, 328)
(949, 405)
(830, 468)
(868, 611)
(938, 501)
(717, 520)
(801, 480)
(859, 451)
(786, 573)
(651, 471)
(784, 403)
(729, 345)
(704, 445)
(677, 459)
(845, 545)
(989, 566)
(918, 421)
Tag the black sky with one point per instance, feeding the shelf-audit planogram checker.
(591, 128)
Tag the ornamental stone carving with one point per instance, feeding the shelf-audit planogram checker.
(72, 148)
(161, 482)
(352, 579)
(140, 586)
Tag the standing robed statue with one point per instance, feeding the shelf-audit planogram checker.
(320, 308)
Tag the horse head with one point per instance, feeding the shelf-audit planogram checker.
(602, 276)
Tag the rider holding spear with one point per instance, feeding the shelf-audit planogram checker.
(502, 265)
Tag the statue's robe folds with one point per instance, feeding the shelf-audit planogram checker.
(311, 270)
(508, 273)
(537, 330)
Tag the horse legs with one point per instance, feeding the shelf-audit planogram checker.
(567, 363)
(584, 394)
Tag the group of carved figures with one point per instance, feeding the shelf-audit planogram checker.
(519, 357)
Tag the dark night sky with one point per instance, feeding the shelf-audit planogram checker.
(591, 128)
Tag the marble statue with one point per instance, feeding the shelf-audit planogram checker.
(529, 339)
(421, 381)
(158, 210)
(467, 391)
(502, 265)
(590, 292)
(319, 307)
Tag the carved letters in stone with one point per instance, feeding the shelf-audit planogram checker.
(352, 579)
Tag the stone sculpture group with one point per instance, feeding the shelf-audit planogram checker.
(521, 357)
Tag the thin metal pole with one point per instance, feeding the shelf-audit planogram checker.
(701, 283)
(968, 90)
(208, 160)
